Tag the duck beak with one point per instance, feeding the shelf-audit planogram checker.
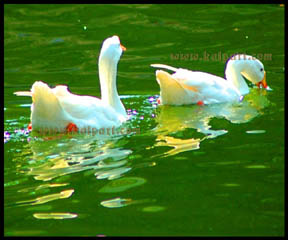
(263, 82)
(123, 48)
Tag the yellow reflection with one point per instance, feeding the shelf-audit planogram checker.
(123, 202)
(116, 202)
(48, 198)
(179, 145)
(54, 215)
(43, 186)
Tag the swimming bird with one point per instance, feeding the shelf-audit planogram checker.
(194, 87)
(59, 110)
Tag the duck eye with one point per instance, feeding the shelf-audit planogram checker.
(261, 69)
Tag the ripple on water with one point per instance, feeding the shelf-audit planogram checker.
(54, 215)
(255, 131)
(153, 209)
(63, 156)
(116, 202)
(122, 184)
(43, 186)
(48, 198)
(257, 166)
(123, 202)
(112, 174)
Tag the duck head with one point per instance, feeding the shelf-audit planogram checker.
(254, 71)
(242, 65)
(112, 49)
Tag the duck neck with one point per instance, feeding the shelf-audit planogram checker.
(107, 76)
(233, 74)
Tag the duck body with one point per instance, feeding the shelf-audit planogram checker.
(191, 87)
(57, 109)
(54, 109)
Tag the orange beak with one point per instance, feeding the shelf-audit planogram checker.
(123, 48)
(263, 82)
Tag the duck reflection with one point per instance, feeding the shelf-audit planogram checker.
(57, 156)
(174, 120)
(52, 157)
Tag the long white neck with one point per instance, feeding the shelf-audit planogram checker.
(233, 74)
(107, 76)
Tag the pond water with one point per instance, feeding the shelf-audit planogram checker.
(190, 170)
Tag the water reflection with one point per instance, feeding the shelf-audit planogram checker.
(179, 145)
(123, 202)
(42, 186)
(54, 215)
(174, 120)
(48, 198)
(58, 157)
(122, 184)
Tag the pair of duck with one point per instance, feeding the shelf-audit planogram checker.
(58, 109)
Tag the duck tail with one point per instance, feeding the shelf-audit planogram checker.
(170, 89)
(23, 93)
(164, 66)
(46, 105)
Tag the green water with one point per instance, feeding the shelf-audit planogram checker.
(190, 170)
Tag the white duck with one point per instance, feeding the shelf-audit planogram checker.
(59, 110)
(190, 87)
